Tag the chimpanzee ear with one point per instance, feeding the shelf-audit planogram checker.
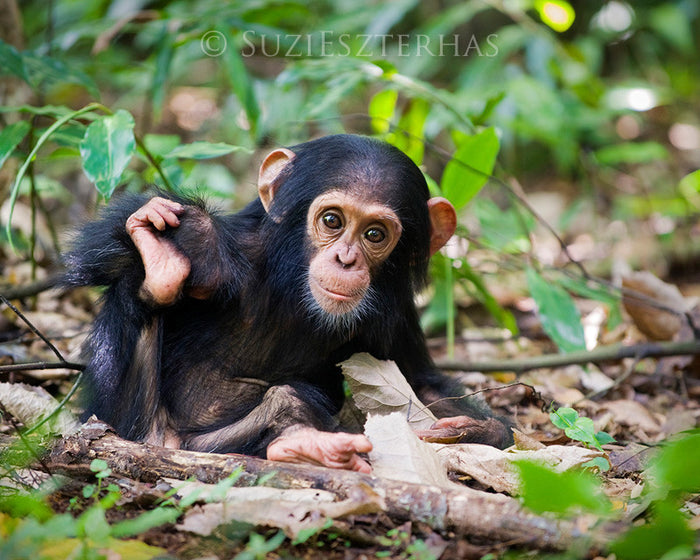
(443, 221)
(270, 169)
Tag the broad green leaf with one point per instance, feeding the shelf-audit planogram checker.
(98, 465)
(56, 111)
(11, 61)
(106, 150)
(93, 524)
(582, 430)
(631, 153)
(14, 190)
(43, 71)
(409, 131)
(560, 318)
(676, 467)
(164, 57)
(604, 437)
(204, 150)
(690, 187)
(10, 137)
(544, 490)
(505, 230)
(147, 520)
(672, 23)
(504, 317)
(564, 417)
(579, 428)
(161, 144)
(557, 14)
(242, 85)
(381, 110)
(666, 534)
(470, 167)
(135, 550)
(600, 463)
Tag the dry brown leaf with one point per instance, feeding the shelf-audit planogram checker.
(523, 441)
(378, 387)
(657, 324)
(398, 454)
(291, 510)
(494, 467)
(632, 414)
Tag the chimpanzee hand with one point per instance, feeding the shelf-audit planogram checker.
(309, 445)
(166, 268)
(464, 429)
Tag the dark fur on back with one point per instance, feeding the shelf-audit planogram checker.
(231, 372)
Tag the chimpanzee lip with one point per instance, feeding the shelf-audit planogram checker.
(332, 294)
(337, 295)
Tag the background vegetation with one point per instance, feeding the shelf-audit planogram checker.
(566, 134)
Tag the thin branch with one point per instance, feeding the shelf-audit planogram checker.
(33, 328)
(41, 366)
(602, 354)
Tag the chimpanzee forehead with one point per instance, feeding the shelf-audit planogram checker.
(348, 161)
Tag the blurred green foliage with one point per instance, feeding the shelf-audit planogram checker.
(598, 96)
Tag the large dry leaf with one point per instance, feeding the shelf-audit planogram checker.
(292, 510)
(31, 404)
(494, 467)
(398, 454)
(633, 414)
(379, 388)
(656, 323)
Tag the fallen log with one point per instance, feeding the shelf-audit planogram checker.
(487, 517)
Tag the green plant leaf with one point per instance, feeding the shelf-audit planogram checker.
(10, 137)
(564, 417)
(42, 72)
(409, 132)
(106, 150)
(242, 85)
(93, 524)
(11, 61)
(204, 150)
(470, 167)
(164, 57)
(560, 318)
(689, 187)
(666, 534)
(676, 466)
(545, 490)
(604, 437)
(557, 14)
(480, 290)
(145, 521)
(381, 110)
(505, 230)
(600, 463)
(631, 153)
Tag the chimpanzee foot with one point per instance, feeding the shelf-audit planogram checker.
(465, 429)
(333, 450)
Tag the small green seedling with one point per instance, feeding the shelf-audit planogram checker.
(579, 428)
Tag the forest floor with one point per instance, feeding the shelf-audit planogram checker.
(639, 402)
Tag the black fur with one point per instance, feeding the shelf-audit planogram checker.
(203, 368)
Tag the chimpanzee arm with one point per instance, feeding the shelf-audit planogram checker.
(123, 350)
(458, 413)
(104, 251)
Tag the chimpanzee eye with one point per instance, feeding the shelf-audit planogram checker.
(375, 235)
(332, 221)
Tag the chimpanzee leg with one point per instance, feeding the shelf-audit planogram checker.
(289, 420)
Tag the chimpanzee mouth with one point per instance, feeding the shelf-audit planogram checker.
(337, 312)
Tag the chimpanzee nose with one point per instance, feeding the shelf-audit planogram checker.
(346, 257)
